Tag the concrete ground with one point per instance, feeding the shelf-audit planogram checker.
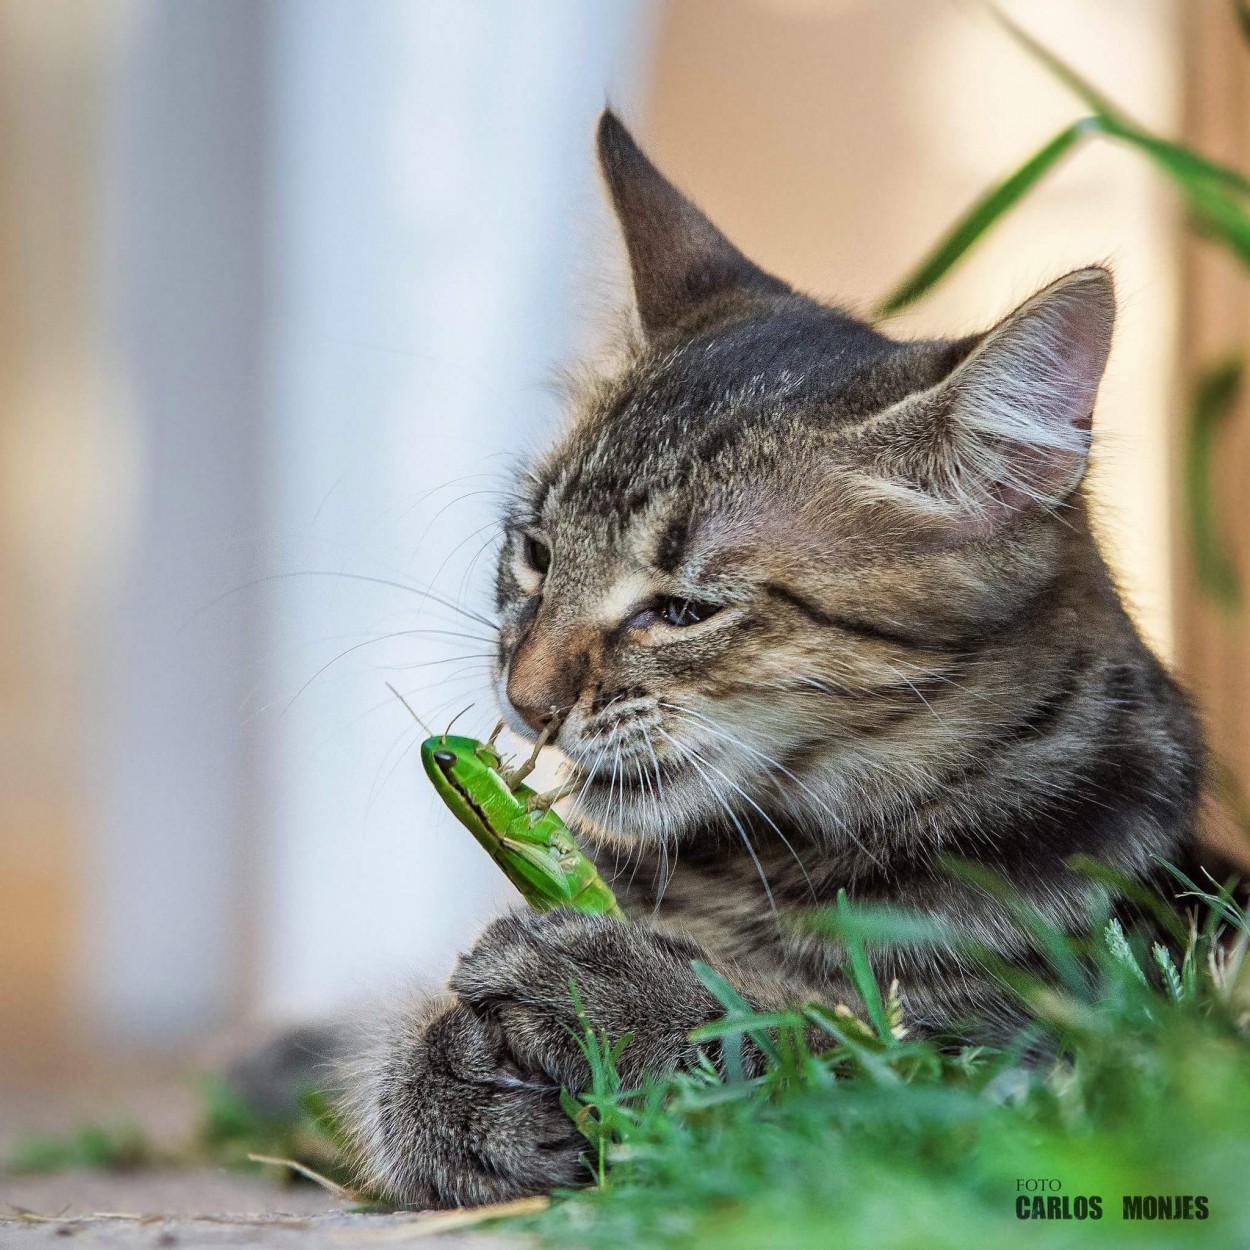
(209, 1207)
(187, 1206)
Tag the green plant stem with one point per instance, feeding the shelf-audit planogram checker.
(987, 210)
(1214, 401)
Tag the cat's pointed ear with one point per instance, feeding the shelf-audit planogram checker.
(678, 259)
(1009, 428)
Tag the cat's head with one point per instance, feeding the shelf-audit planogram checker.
(768, 531)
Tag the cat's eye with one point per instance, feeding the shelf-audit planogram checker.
(536, 553)
(680, 612)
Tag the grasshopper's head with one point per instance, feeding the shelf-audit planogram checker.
(458, 765)
(466, 775)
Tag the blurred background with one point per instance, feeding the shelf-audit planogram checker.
(283, 290)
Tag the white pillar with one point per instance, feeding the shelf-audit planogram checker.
(182, 259)
(433, 192)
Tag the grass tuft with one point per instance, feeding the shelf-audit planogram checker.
(887, 1140)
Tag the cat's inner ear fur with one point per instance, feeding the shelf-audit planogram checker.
(1009, 428)
(679, 260)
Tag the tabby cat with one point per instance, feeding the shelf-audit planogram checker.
(808, 608)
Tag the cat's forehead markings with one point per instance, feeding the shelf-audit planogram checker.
(622, 597)
(670, 546)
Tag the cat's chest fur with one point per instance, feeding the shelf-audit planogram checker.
(717, 897)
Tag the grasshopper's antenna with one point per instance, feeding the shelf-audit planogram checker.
(400, 697)
(455, 718)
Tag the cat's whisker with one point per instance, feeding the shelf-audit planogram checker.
(962, 687)
(718, 730)
(425, 591)
(608, 821)
(414, 734)
(368, 642)
(456, 699)
(639, 841)
(694, 759)
(451, 503)
(477, 555)
(715, 727)
(821, 806)
(503, 489)
(617, 795)
(495, 524)
(574, 806)
(839, 689)
(655, 765)
(593, 771)
(667, 870)
(644, 784)
(911, 685)
(448, 659)
(729, 781)
(287, 705)
(422, 631)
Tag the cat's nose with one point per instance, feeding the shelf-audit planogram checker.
(538, 716)
(545, 678)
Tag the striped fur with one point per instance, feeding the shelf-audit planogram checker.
(907, 647)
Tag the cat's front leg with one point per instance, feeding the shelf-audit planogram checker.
(461, 1103)
(443, 1117)
(629, 979)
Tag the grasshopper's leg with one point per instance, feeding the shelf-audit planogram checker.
(545, 801)
(514, 776)
(494, 734)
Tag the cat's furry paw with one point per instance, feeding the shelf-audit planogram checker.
(630, 981)
(443, 1118)
(460, 1105)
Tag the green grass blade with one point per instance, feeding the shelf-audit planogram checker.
(1121, 952)
(1181, 163)
(869, 1060)
(1242, 9)
(1086, 91)
(739, 1014)
(1214, 401)
(1117, 882)
(1217, 215)
(1221, 906)
(1056, 946)
(1145, 1090)
(884, 925)
(865, 979)
(1212, 190)
(738, 1024)
(987, 210)
(1167, 966)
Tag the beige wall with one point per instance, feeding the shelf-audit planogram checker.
(54, 474)
(834, 140)
(1213, 642)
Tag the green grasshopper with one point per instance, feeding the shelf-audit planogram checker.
(516, 826)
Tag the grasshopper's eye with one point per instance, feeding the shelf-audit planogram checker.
(536, 553)
(446, 758)
(680, 612)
